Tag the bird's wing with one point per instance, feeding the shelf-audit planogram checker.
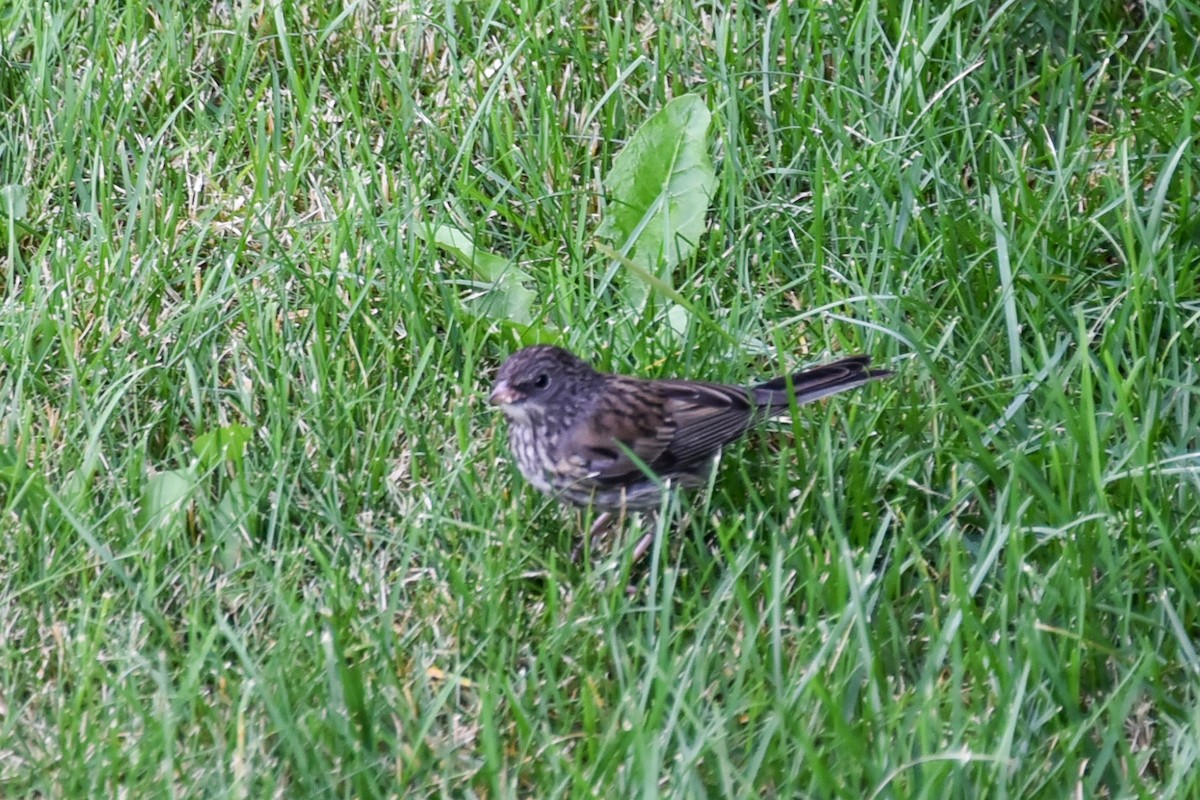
(707, 417)
(627, 416)
(667, 425)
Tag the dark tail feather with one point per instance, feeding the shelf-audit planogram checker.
(813, 384)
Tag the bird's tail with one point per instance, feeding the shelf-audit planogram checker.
(813, 384)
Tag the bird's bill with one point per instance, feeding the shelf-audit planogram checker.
(504, 395)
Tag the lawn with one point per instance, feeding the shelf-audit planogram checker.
(260, 535)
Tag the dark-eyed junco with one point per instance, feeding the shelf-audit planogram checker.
(614, 442)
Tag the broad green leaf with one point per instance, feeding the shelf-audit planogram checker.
(26, 493)
(504, 294)
(14, 203)
(659, 190)
(235, 520)
(14, 210)
(227, 443)
(165, 499)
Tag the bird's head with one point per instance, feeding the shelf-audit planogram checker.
(535, 379)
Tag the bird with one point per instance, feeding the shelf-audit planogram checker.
(616, 442)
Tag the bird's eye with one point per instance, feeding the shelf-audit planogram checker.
(541, 381)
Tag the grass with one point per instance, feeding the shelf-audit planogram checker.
(978, 579)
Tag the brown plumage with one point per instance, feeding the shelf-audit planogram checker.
(614, 441)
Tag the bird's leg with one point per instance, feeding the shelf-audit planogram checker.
(600, 526)
(650, 520)
(604, 524)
